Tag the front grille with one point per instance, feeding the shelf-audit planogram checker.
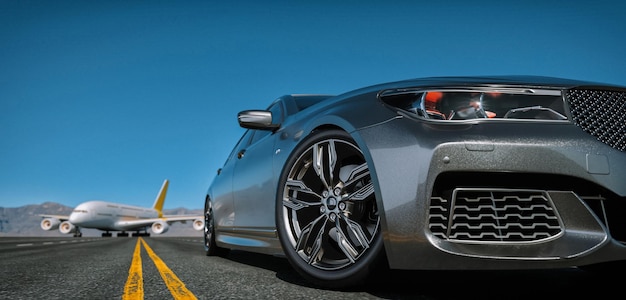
(600, 113)
(494, 215)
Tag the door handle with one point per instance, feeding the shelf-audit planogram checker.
(241, 153)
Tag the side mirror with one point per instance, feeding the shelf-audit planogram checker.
(256, 119)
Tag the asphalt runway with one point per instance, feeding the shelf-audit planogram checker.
(100, 268)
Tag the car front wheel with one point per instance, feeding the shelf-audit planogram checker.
(210, 247)
(326, 214)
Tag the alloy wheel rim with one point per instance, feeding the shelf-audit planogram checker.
(208, 228)
(329, 208)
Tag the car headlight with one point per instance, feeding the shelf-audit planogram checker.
(471, 104)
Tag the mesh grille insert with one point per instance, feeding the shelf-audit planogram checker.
(600, 113)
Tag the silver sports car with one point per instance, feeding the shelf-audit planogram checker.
(503, 172)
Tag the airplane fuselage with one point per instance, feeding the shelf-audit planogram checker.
(110, 216)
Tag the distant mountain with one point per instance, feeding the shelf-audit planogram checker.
(25, 221)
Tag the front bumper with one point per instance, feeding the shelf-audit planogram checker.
(417, 166)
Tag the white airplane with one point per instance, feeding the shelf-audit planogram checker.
(108, 216)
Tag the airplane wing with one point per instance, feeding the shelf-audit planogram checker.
(182, 219)
(51, 222)
(59, 217)
(161, 225)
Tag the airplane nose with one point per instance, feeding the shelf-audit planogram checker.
(74, 218)
(77, 217)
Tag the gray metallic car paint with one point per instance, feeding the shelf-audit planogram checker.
(406, 155)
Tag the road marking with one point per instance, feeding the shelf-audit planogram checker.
(47, 243)
(176, 286)
(134, 283)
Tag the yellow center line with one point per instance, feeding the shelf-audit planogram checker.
(176, 287)
(134, 284)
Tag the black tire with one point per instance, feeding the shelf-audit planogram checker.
(210, 247)
(326, 213)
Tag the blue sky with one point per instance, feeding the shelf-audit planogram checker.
(106, 99)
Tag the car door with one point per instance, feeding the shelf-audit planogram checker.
(222, 186)
(254, 186)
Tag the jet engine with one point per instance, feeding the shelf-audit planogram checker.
(198, 224)
(50, 223)
(67, 227)
(159, 227)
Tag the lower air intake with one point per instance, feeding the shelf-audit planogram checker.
(494, 215)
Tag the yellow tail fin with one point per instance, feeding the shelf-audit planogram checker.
(158, 202)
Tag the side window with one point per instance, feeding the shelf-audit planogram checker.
(277, 112)
(277, 117)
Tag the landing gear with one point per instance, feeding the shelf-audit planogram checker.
(139, 233)
(107, 233)
(77, 233)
